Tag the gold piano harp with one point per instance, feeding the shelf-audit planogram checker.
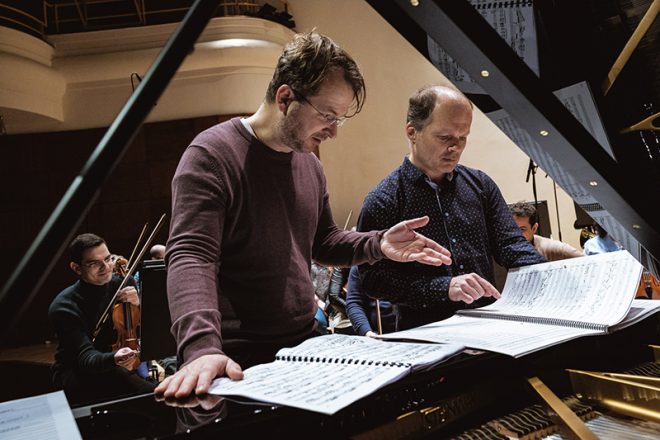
(644, 25)
(567, 421)
(631, 45)
(626, 394)
(645, 124)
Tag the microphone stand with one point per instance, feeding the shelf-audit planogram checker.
(531, 171)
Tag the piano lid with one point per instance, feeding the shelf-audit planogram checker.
(616, 188)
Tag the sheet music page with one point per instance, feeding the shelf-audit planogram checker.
(315, 386)
(579, 101)
(44, 416)
(327, 373)
(513, 338)
(525, 142)
(640, 309)
(592, 289)
(513, 21)
(364, 350)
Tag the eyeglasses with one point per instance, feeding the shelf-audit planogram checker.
(97, 264)
(329, 118)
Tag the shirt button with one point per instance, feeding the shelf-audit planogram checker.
(460, 267)
(453, 240)
(446, 214)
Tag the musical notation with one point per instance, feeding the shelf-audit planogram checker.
(546, 304)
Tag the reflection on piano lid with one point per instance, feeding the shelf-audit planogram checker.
(612, 183)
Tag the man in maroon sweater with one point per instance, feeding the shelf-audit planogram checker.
(250, 211)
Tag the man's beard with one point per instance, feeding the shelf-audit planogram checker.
(289, 134)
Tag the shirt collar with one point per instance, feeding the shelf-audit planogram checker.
(414, 174)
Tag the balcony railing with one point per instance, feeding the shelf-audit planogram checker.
(69, 16)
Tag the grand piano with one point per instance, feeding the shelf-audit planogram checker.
(461, 396)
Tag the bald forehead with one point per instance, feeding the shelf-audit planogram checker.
(447, 95)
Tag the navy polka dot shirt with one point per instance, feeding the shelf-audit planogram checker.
(468, 216)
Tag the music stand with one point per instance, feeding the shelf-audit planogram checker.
(156, 340)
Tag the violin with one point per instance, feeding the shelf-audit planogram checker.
(649, 286)
(126, 316)
(126, 319)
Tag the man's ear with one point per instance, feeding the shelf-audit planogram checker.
(411, 133)
(283, 97)
(535, 228)
(75, 267)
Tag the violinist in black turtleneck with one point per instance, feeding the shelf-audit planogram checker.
(86, 370)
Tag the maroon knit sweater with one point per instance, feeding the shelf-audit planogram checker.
(246, 223)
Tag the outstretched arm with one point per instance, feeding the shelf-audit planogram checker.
(401, 243)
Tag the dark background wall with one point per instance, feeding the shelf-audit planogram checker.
(36, 170)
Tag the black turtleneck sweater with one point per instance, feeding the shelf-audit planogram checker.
(73, 315)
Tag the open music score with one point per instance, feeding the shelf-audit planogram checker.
(546, 304)
(327, 373)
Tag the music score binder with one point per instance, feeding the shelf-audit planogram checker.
(327, 373)
(546, 304)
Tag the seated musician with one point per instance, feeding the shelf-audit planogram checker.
(468, 215)
(527, 220)
(362, 312)
(157, 252)
(321, 281)
(601, 243)
(86, 367)
(250, 211)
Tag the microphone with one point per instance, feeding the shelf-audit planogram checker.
(531, 169)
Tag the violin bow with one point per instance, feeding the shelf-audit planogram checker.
(137, 243)
(348, 219)
(131, 269)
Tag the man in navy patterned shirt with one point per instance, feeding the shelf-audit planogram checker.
(468, 216)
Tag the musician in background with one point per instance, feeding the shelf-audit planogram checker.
(157, 252)
(601, 243)
(89, 370)
(250, 211)
(468, 215)
(527, 219)
(363, 313)
(321, 282)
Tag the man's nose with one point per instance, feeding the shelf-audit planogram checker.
(333, 129)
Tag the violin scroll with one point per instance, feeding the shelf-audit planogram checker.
(121, 266)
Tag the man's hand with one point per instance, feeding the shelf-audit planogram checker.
(197, 376)
(401, 243)
(470, 287)
(124, 357)
(207, 402)
(129, 294)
